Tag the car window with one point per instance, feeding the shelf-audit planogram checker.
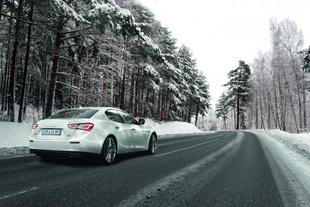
(114, 116)
(130, 119)
(74, 113)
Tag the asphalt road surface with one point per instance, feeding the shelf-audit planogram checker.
(221, 169)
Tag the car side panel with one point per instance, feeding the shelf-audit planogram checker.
(118, 130)
(143, 134)
(125, 138)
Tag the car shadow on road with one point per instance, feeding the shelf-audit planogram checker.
(86, 162)
(130, 156)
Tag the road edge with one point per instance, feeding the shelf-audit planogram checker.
(290, 175)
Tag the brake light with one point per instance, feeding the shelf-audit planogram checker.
(82, 126)
(34, 126)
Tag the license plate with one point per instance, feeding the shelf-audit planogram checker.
(56, 132)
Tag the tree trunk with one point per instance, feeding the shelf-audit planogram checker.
(304, 98)
(282, 104)
(234, 115)
(298, 84)
(238, 113)
(122, 102)
(291, 102)
(189, 114)
(11, 101)
(158, 103)
(305, 107)
(276, 118)
(45, 76)
(268, 111)
(1, 4)
(53, 78)
(163, 101)
(137, 101)
(142, 104)
(6, 70)
(262, 124)
(256, 112)
(197, 113)
(112, 93)
(146, 101)
(20, 114)
(131, 94)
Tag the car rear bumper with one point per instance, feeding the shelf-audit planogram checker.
(81, 146)
(70, 154)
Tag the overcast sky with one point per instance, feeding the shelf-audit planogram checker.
(222, 32)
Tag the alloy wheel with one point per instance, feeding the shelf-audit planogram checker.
(153, 144)
(109, 150)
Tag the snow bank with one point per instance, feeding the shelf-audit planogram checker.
(172, 129)
(14, 134)
(299, 143)
(13, 151)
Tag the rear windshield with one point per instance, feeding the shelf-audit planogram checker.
(74, 113)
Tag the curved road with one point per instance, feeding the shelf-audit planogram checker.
(221, 169)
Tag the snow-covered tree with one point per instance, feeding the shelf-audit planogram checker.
(278, 96)
(94, 53)
(238, 90)
(306, 60)
(222, 108)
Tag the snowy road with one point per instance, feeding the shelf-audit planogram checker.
(221, 169)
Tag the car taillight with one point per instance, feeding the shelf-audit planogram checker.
(34, 126)
(82, 126)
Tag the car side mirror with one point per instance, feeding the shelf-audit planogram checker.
(141, 121)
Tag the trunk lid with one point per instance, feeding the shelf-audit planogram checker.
(56, 128)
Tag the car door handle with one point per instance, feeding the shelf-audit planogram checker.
(117, 128)
(133, 129)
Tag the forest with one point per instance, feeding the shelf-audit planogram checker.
(273, 92)
(57, 54)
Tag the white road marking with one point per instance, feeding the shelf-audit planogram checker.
(176, 142)
(164, 183)
(10, 195)
(184, 148)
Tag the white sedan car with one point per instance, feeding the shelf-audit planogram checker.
(103, 131)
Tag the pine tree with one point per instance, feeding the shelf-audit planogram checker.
(306, 61)
(239, 89)
(222, 109)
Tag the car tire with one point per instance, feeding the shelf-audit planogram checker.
(109, 150)
(152, 144)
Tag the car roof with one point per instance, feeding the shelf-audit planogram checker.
(98, 108)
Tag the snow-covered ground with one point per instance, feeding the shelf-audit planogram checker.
(14, 136)
(288, 157)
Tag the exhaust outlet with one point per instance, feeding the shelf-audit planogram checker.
(71, 155)
(74, 155)
(77, 155)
